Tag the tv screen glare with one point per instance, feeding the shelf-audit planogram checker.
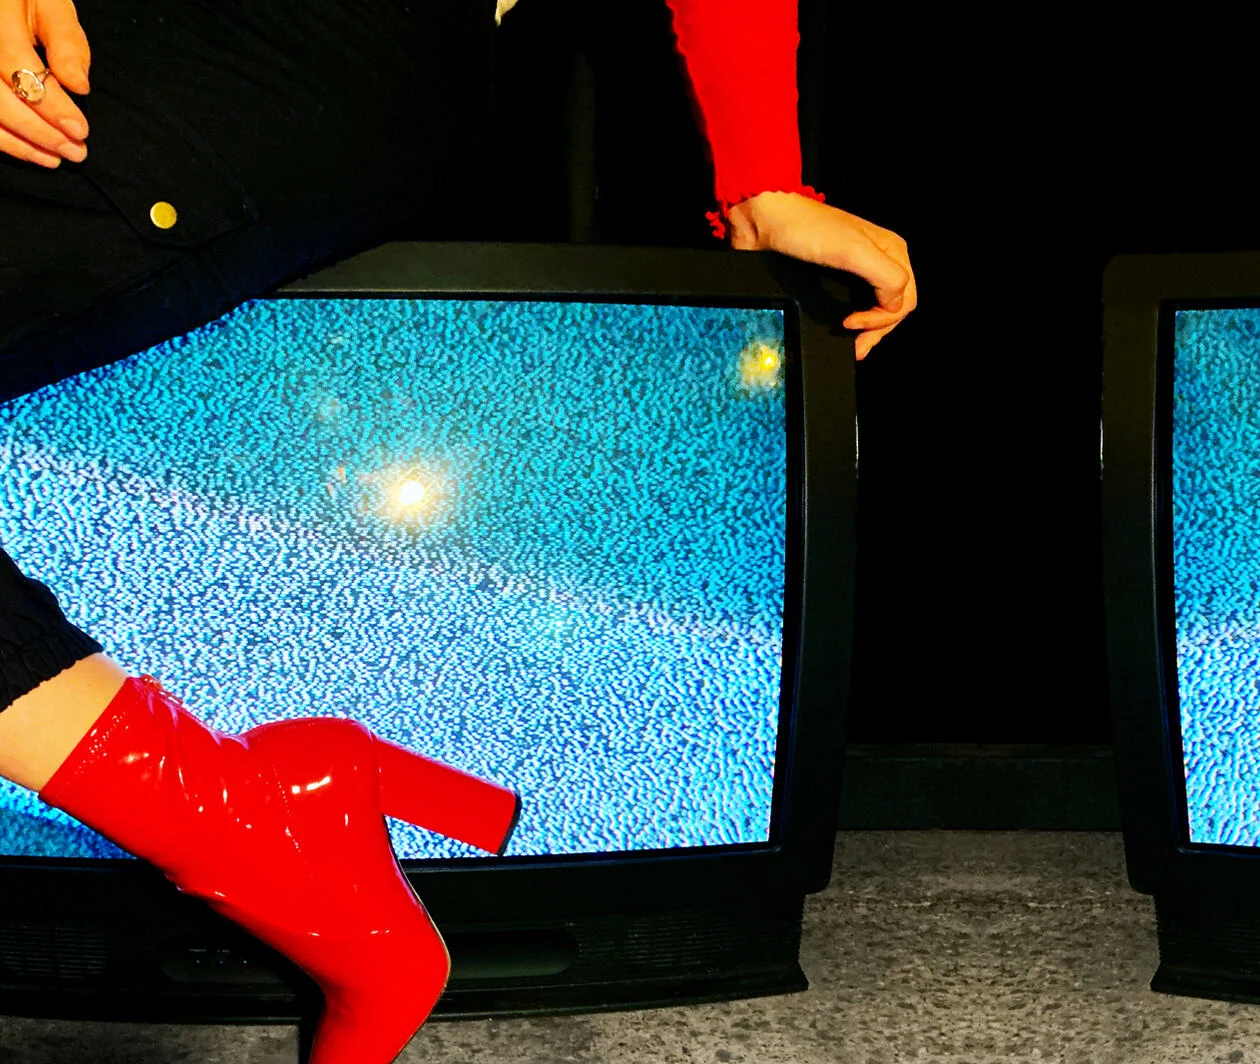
(544, 540)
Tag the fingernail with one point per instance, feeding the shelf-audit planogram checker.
(72, 127)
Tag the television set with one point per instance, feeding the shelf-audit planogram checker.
(578, 519)
(1181, 527)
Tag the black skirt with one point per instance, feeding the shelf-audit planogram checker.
(287, 134)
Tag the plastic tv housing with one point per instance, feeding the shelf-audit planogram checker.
(1181, 501)
(579, 519)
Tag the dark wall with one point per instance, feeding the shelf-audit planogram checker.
(643, 161)
(980, 602)
(1014, 173)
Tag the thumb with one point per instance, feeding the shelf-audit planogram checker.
(65, 44)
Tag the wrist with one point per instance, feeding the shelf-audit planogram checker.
(747, 231)
(742, 222)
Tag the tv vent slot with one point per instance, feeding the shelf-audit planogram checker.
(52, 951)
(668, 943)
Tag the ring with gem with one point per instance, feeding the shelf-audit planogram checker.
(28, 85)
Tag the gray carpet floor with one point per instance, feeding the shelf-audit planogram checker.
(928, 946)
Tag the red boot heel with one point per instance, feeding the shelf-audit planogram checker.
(444, 799)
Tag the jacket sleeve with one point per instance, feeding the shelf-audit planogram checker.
(740, 60)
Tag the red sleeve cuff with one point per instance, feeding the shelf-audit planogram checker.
(720, 218)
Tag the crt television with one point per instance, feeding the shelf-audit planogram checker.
(575, 518)
(1181, 514)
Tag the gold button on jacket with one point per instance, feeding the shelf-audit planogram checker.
(163, 214)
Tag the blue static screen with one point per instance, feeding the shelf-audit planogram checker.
(1216, 563)
(541, 541)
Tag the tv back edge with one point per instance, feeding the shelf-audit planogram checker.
(1207, 912)
(115, 940)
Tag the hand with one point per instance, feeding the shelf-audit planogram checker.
(54, 128)
(796, 225)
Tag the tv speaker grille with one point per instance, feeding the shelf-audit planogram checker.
(53, 951)
(677, 942)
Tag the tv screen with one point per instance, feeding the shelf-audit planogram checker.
(1215, 517)
(542, 540)
(577, 519)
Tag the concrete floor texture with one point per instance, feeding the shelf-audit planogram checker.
(959, 947)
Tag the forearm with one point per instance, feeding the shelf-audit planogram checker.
(740, 61)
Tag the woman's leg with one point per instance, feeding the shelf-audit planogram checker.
(41, 728)
(54, 680)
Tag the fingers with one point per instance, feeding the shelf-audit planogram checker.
(20, 149)
(66, 45)
(863, 344)
(20, 119)
(56, 119)
(878, 322)
(895, 301)
(878, 317)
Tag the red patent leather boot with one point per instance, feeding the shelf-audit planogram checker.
(282, 830)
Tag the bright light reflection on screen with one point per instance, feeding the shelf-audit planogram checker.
(542, 541)
(1216, 561)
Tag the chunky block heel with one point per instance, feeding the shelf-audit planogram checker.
(445, 799)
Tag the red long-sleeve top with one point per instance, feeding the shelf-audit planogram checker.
(740, 58)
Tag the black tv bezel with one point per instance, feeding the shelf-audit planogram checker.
(816, 301)
(1142, 294)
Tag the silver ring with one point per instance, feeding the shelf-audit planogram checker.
(28, 85)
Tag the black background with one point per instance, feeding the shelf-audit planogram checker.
(1015, 167)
